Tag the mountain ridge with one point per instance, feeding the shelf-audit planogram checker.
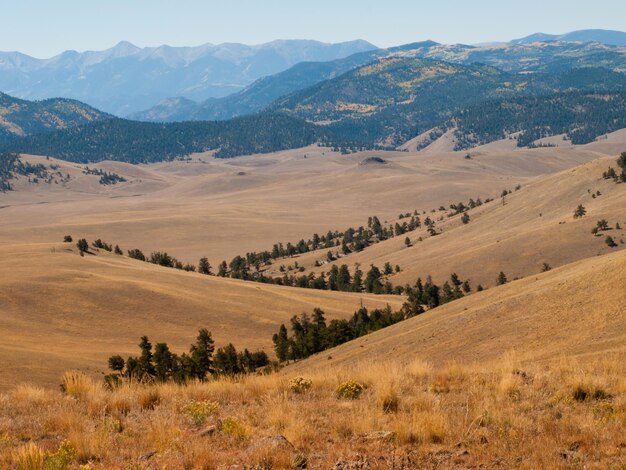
(551, 57)
(604, 36)
(196, 72)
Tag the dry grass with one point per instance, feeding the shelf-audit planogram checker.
(507, 414)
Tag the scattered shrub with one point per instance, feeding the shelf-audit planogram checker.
(62, 458)
(349, 390)
(299, 384)
(199, 411)
(234, 428)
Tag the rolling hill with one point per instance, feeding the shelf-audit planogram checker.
(62, 311)
(562, 313)
(550, 57)
(19, 118)
(265, 90)
(142, 142)
(534, 226)
(383, 104)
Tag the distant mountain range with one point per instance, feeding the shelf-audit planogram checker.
(380, 105)
(603, 36)
(263, 91)
(372, 99)
(551, 57)
(127, 79)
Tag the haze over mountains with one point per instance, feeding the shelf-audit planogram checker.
(180, 83)
(126, 78)
(611, 38)
(549, 57)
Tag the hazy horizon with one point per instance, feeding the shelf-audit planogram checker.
(53, 29)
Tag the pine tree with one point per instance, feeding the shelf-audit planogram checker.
(227, 360)
(447, 294)
(202, 354)
(116, 363)
(372, 280)
(204, 267)
(281, 343)
(223, 269)
(333, 278)
(146, 366)
(357, 280)
(580, 211)
(82, 245)
(163, 362)
(388, 269)
(344, 279)
(501, 279)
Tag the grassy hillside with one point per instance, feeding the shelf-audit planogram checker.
(378, 402)
(535, 225)
(223, 208)
(61, 311)
(564, 312)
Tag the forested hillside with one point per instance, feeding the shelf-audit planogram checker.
(143, 142)
(19, 117)
(382, 104)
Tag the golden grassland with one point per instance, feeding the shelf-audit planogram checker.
(534, 226)
(505, 414)
(61, 311)
(223, 208)
(576, 310)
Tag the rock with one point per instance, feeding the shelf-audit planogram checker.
(272, 442)
(351, 465)
(147, 455)
(208, 430)
(379, 436)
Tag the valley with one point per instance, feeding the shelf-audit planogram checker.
(313, 255)
(223, 208)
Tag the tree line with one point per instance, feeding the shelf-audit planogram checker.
(201, 362)
(311, 334)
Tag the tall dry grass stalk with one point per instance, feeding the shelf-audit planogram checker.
(570, 413)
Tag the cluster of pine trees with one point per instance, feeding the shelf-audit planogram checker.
(612, 174)
(311, 334)
(7, 166)
(580, 115)
(144, 142)
(106, 178)
(339, 278)
(201, 362)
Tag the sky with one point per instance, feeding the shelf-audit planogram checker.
(43, 28)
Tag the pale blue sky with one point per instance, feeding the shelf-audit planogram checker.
(46, 27)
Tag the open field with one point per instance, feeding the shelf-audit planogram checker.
(61, 311)
(535, 225)
(221, 208)
(525, 375)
